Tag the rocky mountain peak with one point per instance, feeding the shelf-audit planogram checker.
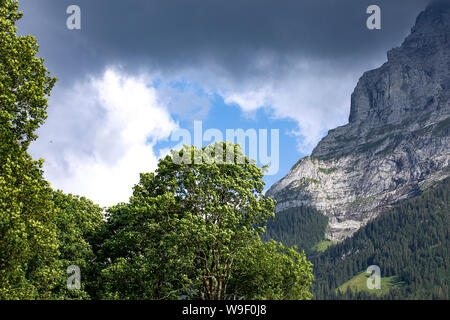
(396, 142)
(434, 20)
(413, 83)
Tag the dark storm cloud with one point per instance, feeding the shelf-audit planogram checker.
(299, 58)
(170, 35)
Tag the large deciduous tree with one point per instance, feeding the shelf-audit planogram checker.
(187, 229)
(42, 232)
(272, 271)
(25, 83)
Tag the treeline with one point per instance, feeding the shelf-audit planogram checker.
(303, 227)
(409, 241)
(188, 232)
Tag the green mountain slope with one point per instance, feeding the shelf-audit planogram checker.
(358, 284)
(303, 227)
(409, 242)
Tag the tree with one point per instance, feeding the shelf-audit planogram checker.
(271, 271)
(143, 251)
(28, 248)
(186, 226)
(78, 220)
(25, 83)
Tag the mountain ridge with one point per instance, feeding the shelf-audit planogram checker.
(396, 143)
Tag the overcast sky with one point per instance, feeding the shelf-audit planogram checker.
(138, 70)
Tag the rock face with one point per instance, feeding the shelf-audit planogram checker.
(397, 141)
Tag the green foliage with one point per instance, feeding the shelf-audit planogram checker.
(188, 229)
(271, 271)
(143, 252)
(359, 284)
(303, 227)
(41, 232)
(28, 246)
(78, 220)
(322, 245)
(409, 241)
(24, 81)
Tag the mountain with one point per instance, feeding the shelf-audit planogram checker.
(410, 244)
(397, 141)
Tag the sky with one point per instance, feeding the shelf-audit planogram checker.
(139, 71)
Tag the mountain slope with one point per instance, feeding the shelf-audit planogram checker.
(397, 141)
(301, 226)
(410, 243)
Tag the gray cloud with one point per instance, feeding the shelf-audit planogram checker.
(300, 59)
(169, 35)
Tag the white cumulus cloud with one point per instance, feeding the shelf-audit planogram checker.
(313, 93)
(100, 135)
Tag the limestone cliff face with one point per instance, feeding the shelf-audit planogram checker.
(397, 141)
